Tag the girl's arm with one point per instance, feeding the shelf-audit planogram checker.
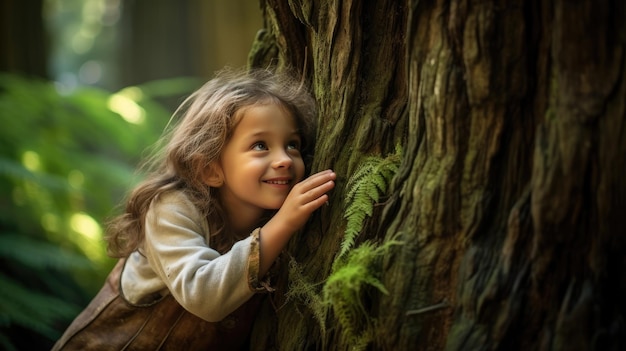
(305, 197)
(204, 282)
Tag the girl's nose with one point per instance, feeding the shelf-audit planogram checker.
(282, 160)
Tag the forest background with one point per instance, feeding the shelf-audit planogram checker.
(86, 88)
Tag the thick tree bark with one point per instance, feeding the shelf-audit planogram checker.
(510, 200)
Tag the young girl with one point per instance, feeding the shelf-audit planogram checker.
(200, 234)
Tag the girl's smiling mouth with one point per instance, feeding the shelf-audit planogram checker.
(278, 181)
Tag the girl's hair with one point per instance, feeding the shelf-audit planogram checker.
(207, 119)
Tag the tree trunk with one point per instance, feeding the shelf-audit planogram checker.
(509, 201)
(166, 39)
(23, 42)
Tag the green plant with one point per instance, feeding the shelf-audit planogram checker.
(350, 283)
(66, 161)
(27, 307)
(365, 188)
(355, 271)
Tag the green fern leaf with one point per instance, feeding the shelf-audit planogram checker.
(344, 289)
(364, 189)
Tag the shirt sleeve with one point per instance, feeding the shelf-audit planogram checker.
(204, 282)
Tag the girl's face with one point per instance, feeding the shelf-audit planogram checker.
(261, 162)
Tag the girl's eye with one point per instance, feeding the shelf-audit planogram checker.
(259, 146)
(293, 145)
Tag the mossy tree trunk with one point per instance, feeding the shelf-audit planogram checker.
(511, 198)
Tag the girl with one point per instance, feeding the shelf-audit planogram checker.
(199, 236)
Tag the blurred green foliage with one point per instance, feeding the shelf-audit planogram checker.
(66, 162)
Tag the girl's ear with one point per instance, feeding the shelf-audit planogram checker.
(213, 175)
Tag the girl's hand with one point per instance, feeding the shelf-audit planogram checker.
(305, 197)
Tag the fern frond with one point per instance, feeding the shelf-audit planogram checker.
(364, 189)
(308, 293)
(343, 293)
(344, 289)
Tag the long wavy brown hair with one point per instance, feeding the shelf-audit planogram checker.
(201, 126)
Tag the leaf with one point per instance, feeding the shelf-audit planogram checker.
(364, 189)
(37, 254)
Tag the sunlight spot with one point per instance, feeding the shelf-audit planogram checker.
(85, 225)
(90, 72)
(133, 93)
(50, 222)
(31, 161)
(112, 13)
(93, 10)
(126, 107)
(89, 31)
(81, 44)
(76, 178)
(86, 233)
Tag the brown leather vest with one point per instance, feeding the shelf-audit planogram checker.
(110, 322)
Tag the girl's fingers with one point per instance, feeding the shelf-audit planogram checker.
(306, 197)
(322, 181)
(317, 179)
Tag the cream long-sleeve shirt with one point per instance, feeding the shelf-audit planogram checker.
(176, 258)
